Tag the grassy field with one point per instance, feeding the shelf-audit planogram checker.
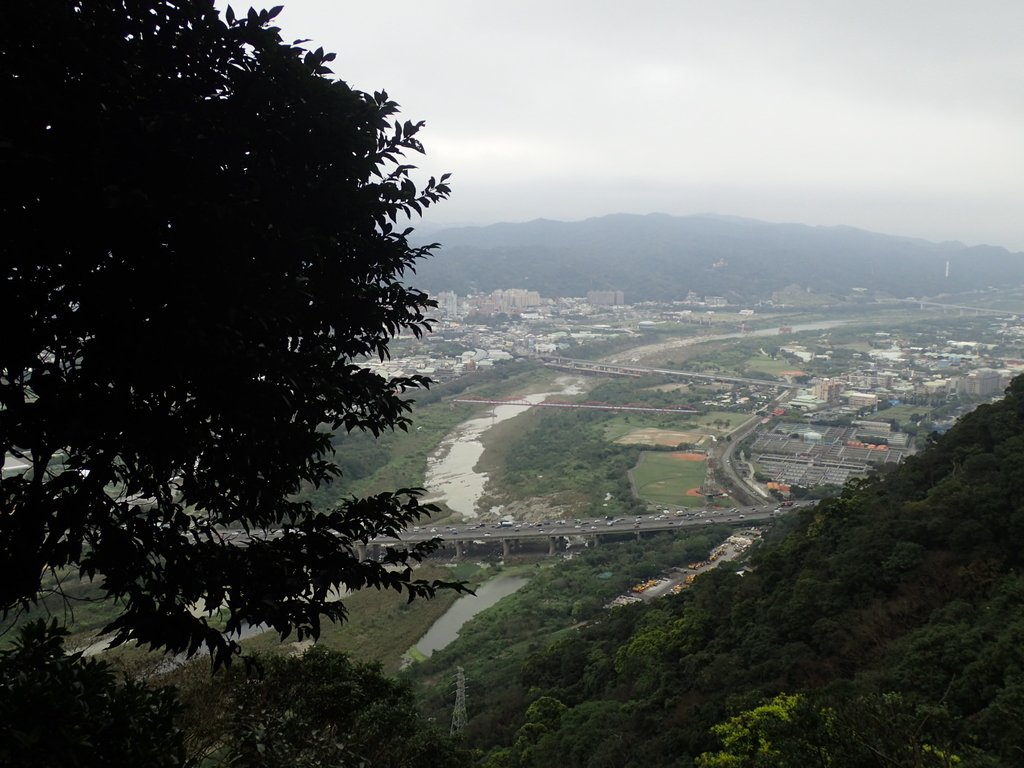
(620, 425)
(664, 478)
(678, 357)
(765, 364)
(711, 423)
(901, 413)
(721, 421)
(383, 625)
(501, 440)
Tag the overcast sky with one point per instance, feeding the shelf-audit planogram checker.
(899, 116)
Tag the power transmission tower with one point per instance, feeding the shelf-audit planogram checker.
(459, 713)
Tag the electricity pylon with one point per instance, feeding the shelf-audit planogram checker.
(459, 713)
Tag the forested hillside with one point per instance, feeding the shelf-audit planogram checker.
(660, 257)
(884, 627)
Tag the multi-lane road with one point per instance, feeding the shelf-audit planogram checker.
(666, 520)
(509, 535)
(598, 366)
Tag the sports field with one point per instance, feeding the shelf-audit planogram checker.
(765, 364)
(618, 425)
(651, 436)
(669, 478)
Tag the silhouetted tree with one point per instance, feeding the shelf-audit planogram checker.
(58, 708)
(199, 253)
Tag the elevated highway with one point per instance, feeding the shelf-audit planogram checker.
(463, 538)
(612, 369)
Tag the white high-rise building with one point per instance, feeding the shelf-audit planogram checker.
(448, 303)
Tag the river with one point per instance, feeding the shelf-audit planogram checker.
(635, 353)
(451, 477)
(446, 629)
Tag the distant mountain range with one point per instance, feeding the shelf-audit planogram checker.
(662, 257)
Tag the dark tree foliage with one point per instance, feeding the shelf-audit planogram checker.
(199, 251)
(320, 709)
(61, 709)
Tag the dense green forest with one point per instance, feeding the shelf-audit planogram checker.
(561, 596)
(883, 627)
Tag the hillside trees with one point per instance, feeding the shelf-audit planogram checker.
(880, 627)
(200, 250)
(321, 709)
(56, 708)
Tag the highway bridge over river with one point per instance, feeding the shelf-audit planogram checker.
(464, 539)
(922, 304)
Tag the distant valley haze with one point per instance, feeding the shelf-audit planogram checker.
(662, 257)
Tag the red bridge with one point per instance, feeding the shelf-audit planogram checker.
(562, 404)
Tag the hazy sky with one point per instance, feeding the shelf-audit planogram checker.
(900, 116)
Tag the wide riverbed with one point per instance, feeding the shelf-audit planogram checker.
(451, 477)
(637, 353)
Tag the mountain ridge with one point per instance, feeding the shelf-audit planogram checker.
(662, 257)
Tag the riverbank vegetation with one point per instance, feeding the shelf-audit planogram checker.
(562, 455)
(398, 459)
(382, 626)
(581, 459)
(563, 596)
